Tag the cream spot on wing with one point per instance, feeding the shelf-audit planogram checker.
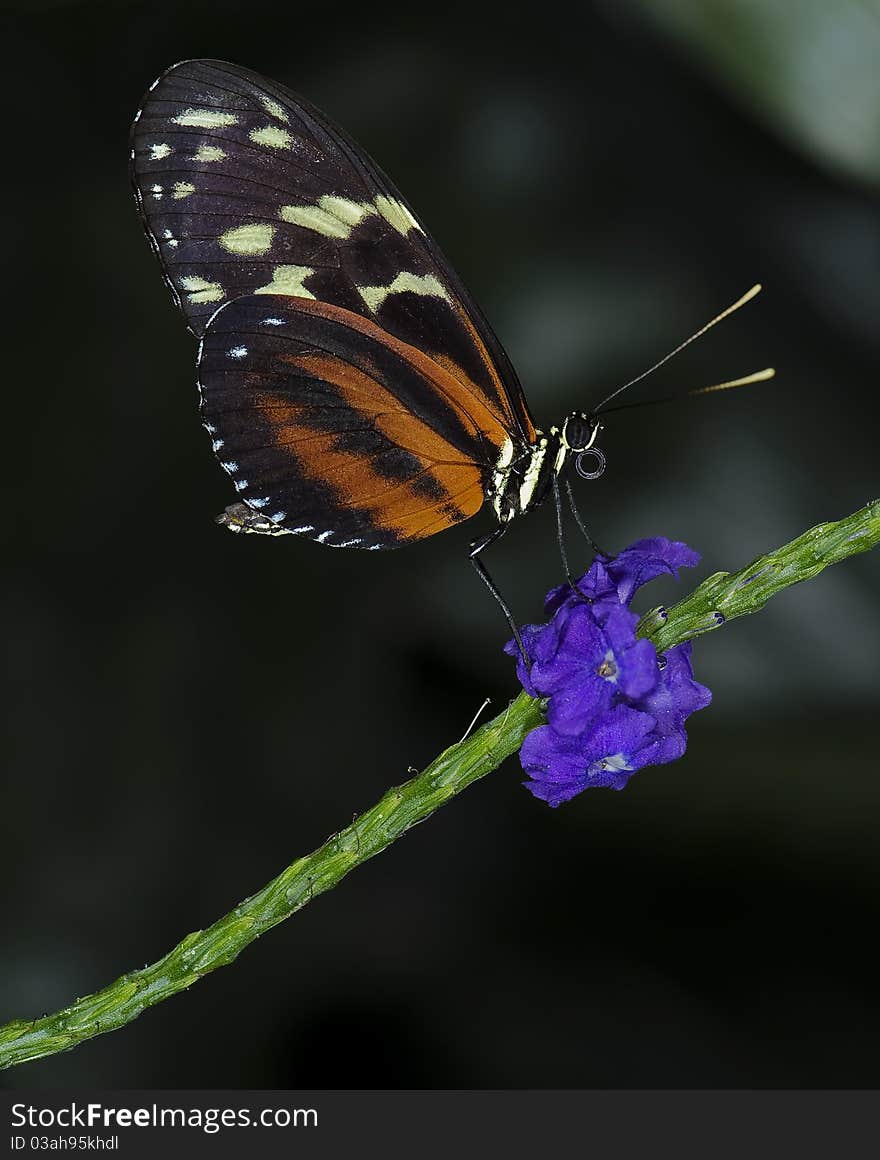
(182, 189)
(334, 217)
(311, 217)
(274, 109)
(254, 238)
(396, 214)
(205, 118)
(426, 284)
(350, 212)
(288, 280)
(157, 152)
(200, 290)
(272, 136)
(209, 153)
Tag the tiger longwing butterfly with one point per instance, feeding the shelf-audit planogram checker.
(351, 387)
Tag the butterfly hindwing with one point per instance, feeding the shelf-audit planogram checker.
(333, 429)
(245, 189)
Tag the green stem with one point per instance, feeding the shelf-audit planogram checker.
(728, 594)
(405, 805)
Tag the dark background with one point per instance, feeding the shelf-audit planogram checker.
(188, 711)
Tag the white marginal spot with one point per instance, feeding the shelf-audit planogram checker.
(273, 109)
(157, 152)
(230, 465)
(288, 280)
(240, 484)
(254, 238)
(304, 528)
(216, 444)
(209, 153)
(238, 352)
(426, 284)
(205, 118)
(273, 322)
(272, 136)
(259, 503)
(324, 536)
(375, 548)
(182, 189)
(348, 543)
(396, 214)
(170, 239)
(200, 290)
(278, 517)
(209, 428)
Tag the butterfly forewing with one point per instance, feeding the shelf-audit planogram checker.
(245, 189)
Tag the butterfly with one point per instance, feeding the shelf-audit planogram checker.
(351, 387)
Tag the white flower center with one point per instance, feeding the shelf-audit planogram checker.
(608, 669)
(615, 762)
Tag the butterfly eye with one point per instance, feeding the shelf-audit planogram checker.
(598, 458)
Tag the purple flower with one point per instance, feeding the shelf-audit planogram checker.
(597, 660)
(612, 708)
(674, 698)
(623, 574)
(605, 754)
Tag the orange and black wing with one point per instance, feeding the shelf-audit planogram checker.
(333, 429)
(244, 188)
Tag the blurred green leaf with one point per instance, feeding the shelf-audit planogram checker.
(810, 68)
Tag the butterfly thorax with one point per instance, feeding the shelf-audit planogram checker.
(523, 476)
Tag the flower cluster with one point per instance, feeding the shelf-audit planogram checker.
(614, 706)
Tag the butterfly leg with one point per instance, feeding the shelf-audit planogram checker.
(560, 534)
(473, 555)
(597, 551)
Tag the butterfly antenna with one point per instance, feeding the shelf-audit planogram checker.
(747, 297)
(757, 377)
(760, 376)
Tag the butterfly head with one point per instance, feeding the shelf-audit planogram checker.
(580, 431)
(578, 436)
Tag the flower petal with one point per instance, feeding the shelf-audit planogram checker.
(645, 560)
